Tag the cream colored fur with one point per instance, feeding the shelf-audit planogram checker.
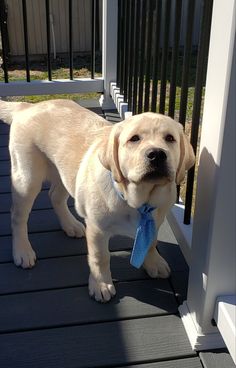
(79, 153)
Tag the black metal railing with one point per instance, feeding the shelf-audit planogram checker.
(152, 63)
(4, 39)
(47, 3)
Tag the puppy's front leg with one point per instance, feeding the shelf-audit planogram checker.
(155, 265)
(100, 282)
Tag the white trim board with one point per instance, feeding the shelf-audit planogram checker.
(199, 341)
(122, 107)
(182, 232)
(225, 318)
(45, 87)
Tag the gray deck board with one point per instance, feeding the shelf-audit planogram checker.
(4, 128)
(62, 272)
(180, 363)
(172, 253)
(58, 244)
(5, 168)
(5, 184)
(179, 282)
(4, 140)
(41, 202)
(4, 154)
(73, 306)
(97, 345)
(217, 359)
(42, 220)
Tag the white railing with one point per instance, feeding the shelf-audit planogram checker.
(45, 87)
(212, 280)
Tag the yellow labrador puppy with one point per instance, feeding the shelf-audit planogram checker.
(110, 171)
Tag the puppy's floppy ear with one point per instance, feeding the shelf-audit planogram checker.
(108, 152)
(187, 157)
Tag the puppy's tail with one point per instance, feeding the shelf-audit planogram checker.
(8, 109)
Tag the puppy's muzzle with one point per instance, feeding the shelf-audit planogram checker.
(156, 164)
(156, 157)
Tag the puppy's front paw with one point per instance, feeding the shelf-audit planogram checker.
(24, 255)
(73, 228)
(157, 267)
(101, 291)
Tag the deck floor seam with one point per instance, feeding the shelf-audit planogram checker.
(69, 287)
(95, 322)
(152, 361)
(67, 256)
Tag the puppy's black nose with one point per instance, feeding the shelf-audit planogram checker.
(156, 157)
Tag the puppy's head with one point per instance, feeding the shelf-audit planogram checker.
(147, 148)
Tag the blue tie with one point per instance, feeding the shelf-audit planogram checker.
(146, 233)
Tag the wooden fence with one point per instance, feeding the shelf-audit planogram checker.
(59, 15)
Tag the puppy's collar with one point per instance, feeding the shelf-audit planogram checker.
(120, 194)
(146, 232)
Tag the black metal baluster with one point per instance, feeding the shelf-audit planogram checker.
(142, 55)
(70, 40)
(200, 79)
(93, 37)
(148, 56)
(118, 44)
(47, 5)
(164, 59)
(186, 62)
(131, 59)
(24, 11)
(123, 36)
(175, 54)
(126, 54)
(136, 55)
(97, 26)
(157, 35)
(186, 66)
(3, 28)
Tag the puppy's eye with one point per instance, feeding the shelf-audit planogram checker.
(169, 138)
(135, 138)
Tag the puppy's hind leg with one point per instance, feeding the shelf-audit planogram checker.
(59, 196)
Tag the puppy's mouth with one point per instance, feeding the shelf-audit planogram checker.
(157, 175)
(156, 168)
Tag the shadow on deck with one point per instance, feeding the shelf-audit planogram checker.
(47, 318)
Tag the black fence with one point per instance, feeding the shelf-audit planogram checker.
(151, 65)
(5, 43)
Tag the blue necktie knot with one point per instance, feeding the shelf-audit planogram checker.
(145, 210)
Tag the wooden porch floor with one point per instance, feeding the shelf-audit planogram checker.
(47, 318)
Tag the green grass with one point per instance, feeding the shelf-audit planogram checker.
(39, 98)
(59, 66)
(60, 70)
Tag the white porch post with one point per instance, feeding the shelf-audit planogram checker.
(109, 50)
(213, 253)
